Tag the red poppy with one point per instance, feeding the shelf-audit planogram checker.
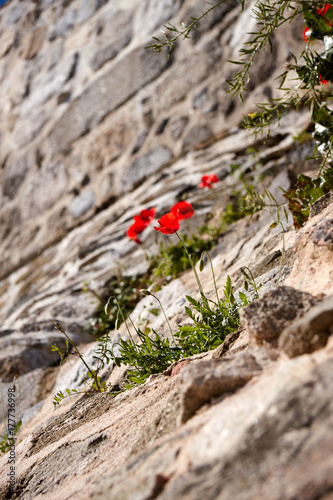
(306, 33)
(324, 9)
(140, 223)
(135, 229)
(208, 181)
(322, 80)
(147, 215)
(168, 223)
(182, 210)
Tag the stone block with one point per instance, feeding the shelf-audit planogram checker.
(144, 166)
(209, 379)
(107, 93)
(33, 42)
(310, 332)
(82, 203)
(266, 318)
(117, 33)
(15, 174)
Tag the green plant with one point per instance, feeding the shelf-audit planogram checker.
(305, 192)
(249, 286)
(126, 289)
(174, 34)
(148, 356)
(171, 260)
(211, 322)
(94, 382)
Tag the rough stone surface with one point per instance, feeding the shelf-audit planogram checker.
(224, 450)
(310, 332)
(106, 94)
(33, 43)
(82, 203)
(206, 380)
(118, 27)
(266, 318)
(37, 197)
(144, 166)
(15, 174)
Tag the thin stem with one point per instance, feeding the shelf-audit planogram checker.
(212, 269)
(283, 252)
(253, 283)
(193, 266)
(162, 308)
(94, 376)
(124, 320)
(93, 292)
(184, 32)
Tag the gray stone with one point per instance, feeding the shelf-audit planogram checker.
(178, 126)
(44, 189)
(118, 34)
(47, 3)
(322, 203)
(322, 235)
(206, 380)
(65, 24)
(198, 134)
(154, 13)
(47, 86)
(265, 318)
(200, 99)
(22, 353)
(140, 141)
(188, 73)
(55, 53)
(10, 218)
(144, 166)
(15, 174)
(215, 16)
(107, 93)
(82, 203)
(29, 128)
(310, 332)
(15, 14)
(284, 180)
(88, 9)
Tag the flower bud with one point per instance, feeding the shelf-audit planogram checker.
(118, 323)
(201, 265)
(108, 307)
(273, 225)
(144, 291)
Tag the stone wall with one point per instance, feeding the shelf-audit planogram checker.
(84, 105)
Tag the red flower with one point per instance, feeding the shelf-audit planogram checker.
(182, 210)
(208, 181)
(306, 33)
(322, 80)
(324, 9)
(135, 229)
(140, 223)
(168, 223)
(147, 215)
